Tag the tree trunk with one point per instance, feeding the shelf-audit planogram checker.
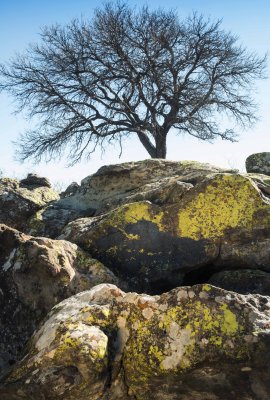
(161, 145)
(160, 148)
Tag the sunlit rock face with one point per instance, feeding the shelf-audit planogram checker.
(19, 200)
(217, 223)
(158, 181)
(35, 274)
(196, 342)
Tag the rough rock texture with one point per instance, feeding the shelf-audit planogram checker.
(159, 181)
(196, 342)
(218, 222)
(19, 200)
(50, 220)
(35, 274)
(243, 281)
(157, 225)
(262, 181)
(258, 163)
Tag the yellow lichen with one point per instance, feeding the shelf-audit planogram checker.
(82, 341)
(206, 288)
(134, 212)
(230, 325)
(170, 341)
(228, 201)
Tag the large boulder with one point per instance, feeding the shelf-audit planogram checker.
(19, 200)
(158, 181)
(35, 274)
(155, 247)
(118, 184)
(258, 163)
(196, 342)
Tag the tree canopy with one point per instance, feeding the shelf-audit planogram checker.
(131, 72)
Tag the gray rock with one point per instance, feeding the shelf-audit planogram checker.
(18, 202)
(258, 163)
(243, 281)
(223, 221)
(35, 274)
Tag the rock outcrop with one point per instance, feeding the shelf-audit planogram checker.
(158, 181)
(223, 216)
(258, 163)
(196, 342)
(19, 200)
(193, 237)
(35, 274)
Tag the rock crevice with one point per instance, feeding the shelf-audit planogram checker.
(151, 279)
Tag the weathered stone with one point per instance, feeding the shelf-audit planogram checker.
(159, 181)
(50, 220)
(35, 274)
(70, 190)
(245, 251)
(243, 281)
(18, 201)
(262, 182)
(258, 163)
(196, 342)
(114, 185)
(156, 246)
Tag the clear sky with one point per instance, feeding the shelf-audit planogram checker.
(20, 22)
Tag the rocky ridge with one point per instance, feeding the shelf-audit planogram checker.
(193, 237)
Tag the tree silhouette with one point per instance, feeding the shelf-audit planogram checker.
(131, 72)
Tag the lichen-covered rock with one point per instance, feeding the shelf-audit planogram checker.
(35, 274)
(196, 342)
(69, 358)
(114, 185)
(156, 246)
(258, 163)
(158, 181)
(19, 200)
(243, 281)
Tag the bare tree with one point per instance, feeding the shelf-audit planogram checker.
(131, 72)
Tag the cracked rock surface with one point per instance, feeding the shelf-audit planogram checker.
(174, 305)
(197, 342)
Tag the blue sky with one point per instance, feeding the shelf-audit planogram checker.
(20, 22)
